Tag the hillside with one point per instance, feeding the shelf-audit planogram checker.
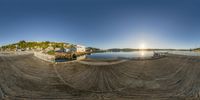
(197, 49)
(23, 45)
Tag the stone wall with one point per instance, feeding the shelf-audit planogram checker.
(44, 57)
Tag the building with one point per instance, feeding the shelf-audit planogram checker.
(80, 48)
(67, 50)
(76, 48)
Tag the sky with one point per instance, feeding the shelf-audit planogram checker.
(103, 23)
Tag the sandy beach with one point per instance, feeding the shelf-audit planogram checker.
(174, 77)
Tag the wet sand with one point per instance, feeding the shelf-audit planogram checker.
(173, 77)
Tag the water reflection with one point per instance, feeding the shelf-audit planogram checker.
(188, 53)
(142, 53)
(127, 55)
(65, 59)
(115, 55)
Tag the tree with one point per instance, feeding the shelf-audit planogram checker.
(22, 44)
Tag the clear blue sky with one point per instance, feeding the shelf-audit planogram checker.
(103, 23)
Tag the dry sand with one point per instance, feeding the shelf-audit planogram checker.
(174, 77)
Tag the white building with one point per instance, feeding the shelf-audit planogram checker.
(76, 48)
(80, 48)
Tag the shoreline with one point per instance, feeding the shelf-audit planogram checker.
(88, 60)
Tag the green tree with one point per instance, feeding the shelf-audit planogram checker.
(22, 44)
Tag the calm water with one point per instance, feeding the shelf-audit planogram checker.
(65, 60)
(128, 55)
(135, 54)
(188, 53)
(116, 55)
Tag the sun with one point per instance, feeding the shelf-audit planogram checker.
(142, 46)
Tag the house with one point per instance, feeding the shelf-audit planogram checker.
(67, 49)
(80, 48)
(76, 48)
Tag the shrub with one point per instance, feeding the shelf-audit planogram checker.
(51, 52)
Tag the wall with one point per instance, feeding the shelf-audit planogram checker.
(45, 57)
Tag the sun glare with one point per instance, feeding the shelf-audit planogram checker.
(142, 46)
(142, 53)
